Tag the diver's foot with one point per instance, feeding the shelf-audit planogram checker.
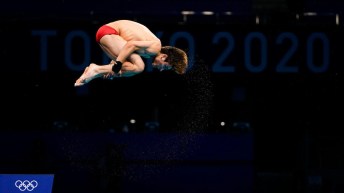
(89, 74)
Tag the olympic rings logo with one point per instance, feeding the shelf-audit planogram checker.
(26, 185)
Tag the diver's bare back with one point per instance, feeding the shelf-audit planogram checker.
(131, 30)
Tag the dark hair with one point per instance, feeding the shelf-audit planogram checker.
(177, 58)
